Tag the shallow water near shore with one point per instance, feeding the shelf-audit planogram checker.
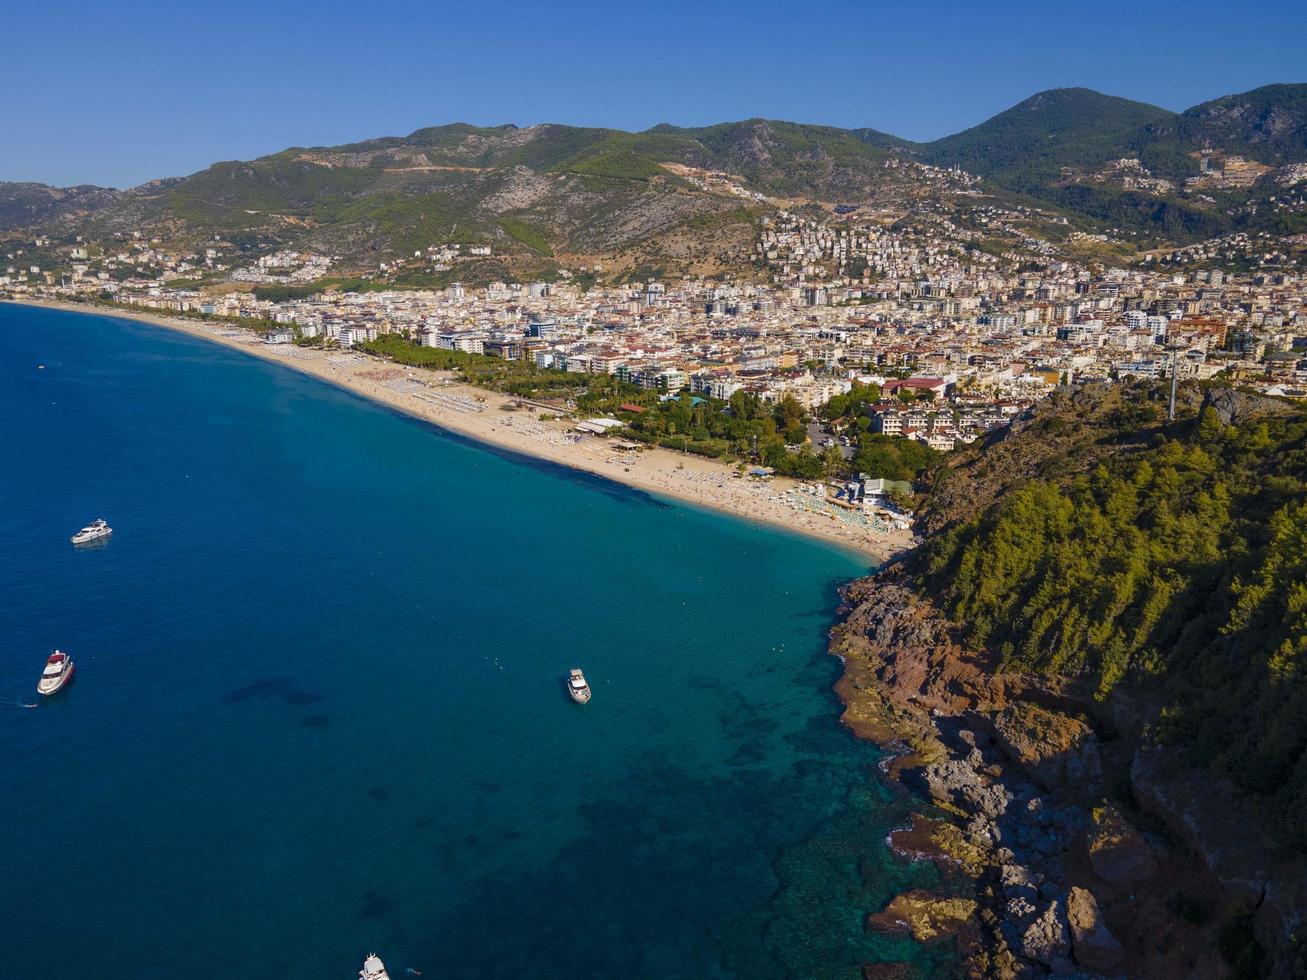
(319, 706)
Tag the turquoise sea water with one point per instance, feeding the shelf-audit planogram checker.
(319, 711)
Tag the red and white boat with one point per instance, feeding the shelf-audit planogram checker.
(58, 672)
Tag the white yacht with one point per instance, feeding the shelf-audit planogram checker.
(373, 969)
(58, 672)
(577, 686)
(95, 531)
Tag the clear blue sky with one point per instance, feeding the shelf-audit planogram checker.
(119, 92)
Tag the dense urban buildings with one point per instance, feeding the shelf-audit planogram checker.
(958, 339)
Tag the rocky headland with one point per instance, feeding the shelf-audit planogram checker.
(1092, 674)
(1088, 852)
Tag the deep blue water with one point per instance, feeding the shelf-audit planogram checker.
(318, 708)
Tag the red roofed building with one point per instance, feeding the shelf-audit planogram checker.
(1213, 328)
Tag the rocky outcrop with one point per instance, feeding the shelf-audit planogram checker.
(1047, 939)
(954, 782)
(1232, 405)
(1092, 943)
(911, 656)
(1014, 764)
(926, 916)
(946, 844)
(1221, 827)
(1052, 748)
(1118, 852)
(909, 683)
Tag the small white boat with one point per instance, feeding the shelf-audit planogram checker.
(577, 687)
(97, 530)
(373, 969)
(58, 672)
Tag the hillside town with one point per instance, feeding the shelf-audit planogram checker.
(958, 337)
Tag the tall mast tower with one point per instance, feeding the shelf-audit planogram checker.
(1170, 411)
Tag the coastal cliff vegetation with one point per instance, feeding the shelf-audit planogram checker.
(1097, 664)
(1177, 563)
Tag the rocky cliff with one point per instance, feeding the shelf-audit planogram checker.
(1095, 670)
(1074, 873)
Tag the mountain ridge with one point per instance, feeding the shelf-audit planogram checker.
(597, 191)
(1264, 101)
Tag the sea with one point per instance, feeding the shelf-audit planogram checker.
(319, 707)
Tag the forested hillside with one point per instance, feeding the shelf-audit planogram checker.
(1268, 123)
(1168, 558)
(1066, 146)
(1027, 145)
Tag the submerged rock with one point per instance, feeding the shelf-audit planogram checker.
(924, 915)
(887, 971)
(940, 842)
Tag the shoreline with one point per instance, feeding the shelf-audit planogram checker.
(433, 397)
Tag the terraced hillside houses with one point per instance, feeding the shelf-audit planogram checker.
(835, 303)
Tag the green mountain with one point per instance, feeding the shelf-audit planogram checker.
(479, 174)
(1268, 124)
(788, 159)
(1070, 148)
(1027, 146)
(26, 205)
(1031, 144)
(1058, 146)
(532, 194)
(689, 198)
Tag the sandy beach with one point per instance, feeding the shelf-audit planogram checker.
(488, 416)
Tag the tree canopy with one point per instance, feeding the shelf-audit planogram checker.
(1181, 567)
